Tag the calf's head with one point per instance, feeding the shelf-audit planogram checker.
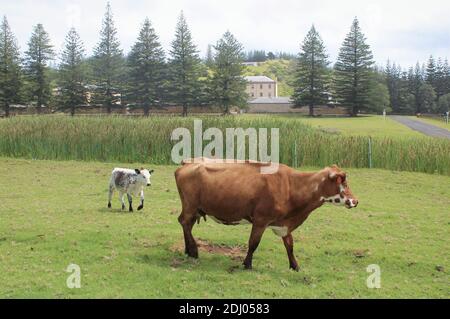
(336, 190)
(144, 176)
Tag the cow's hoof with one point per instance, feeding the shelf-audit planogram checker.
(248, 266)
(140, 207)
(195, 256)
(130, 210)
(295, 268)
(192, 254)
(109, 205)
(123, 207)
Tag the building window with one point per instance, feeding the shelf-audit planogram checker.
(261, 94)
(270, 94)
(253, 94)
(253, 86)
(270, 86)
(260, 86)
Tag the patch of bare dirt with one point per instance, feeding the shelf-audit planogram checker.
(234, 252)
(360, 253)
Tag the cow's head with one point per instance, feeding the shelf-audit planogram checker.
(336, 190)
(144, 176)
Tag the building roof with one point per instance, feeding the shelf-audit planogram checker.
(250, 63)
(259, 79)
(271, 100)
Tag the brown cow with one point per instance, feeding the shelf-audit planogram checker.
(238, 193)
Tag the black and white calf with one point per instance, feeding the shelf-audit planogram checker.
(130, 182)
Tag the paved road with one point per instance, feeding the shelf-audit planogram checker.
(425, 128)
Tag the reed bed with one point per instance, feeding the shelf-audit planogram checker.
(148, 140)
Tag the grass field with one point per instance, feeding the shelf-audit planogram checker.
(437, 122)
(54, 214)
(375, 126)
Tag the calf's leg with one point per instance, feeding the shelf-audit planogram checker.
(289, 244)
(187, 221)
(110, 193)
(121, 195)
(255, 238)
(130, 202)
(142, 201)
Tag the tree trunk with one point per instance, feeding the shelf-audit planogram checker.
(185, 110)
(7, 110)
(108, 100)
(146, 111)
(39, 102)
(311, 110)
(72, 111)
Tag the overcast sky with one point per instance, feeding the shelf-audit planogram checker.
(404, 31)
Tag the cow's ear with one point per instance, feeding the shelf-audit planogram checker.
(137, 171)
(336, 175)
(151, 172)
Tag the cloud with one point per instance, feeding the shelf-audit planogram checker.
(404, 31)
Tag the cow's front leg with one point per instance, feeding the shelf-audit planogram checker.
(130, 202)
(121, 195)
(289, 244)
(255, 238)
(142, 201)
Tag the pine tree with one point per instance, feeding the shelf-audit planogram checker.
(446, 72)
(72, 73)
(311, 73)
(353, 68)
(184, 66)
(440, 86)
(146, 65)
(39, 53)
(415, 82)
(227, 83)
(406, 100)
(209, 59)
(10, 73)
(430, 72)
(108, 62)
(393, 78)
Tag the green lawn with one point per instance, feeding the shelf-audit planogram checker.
(436, 122)
(54, 214)
(366, 126)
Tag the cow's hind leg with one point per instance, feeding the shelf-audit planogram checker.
(255, 238)
(130, 202)
(289, 244)
(187, 221)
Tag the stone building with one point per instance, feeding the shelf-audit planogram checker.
(261, 86)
